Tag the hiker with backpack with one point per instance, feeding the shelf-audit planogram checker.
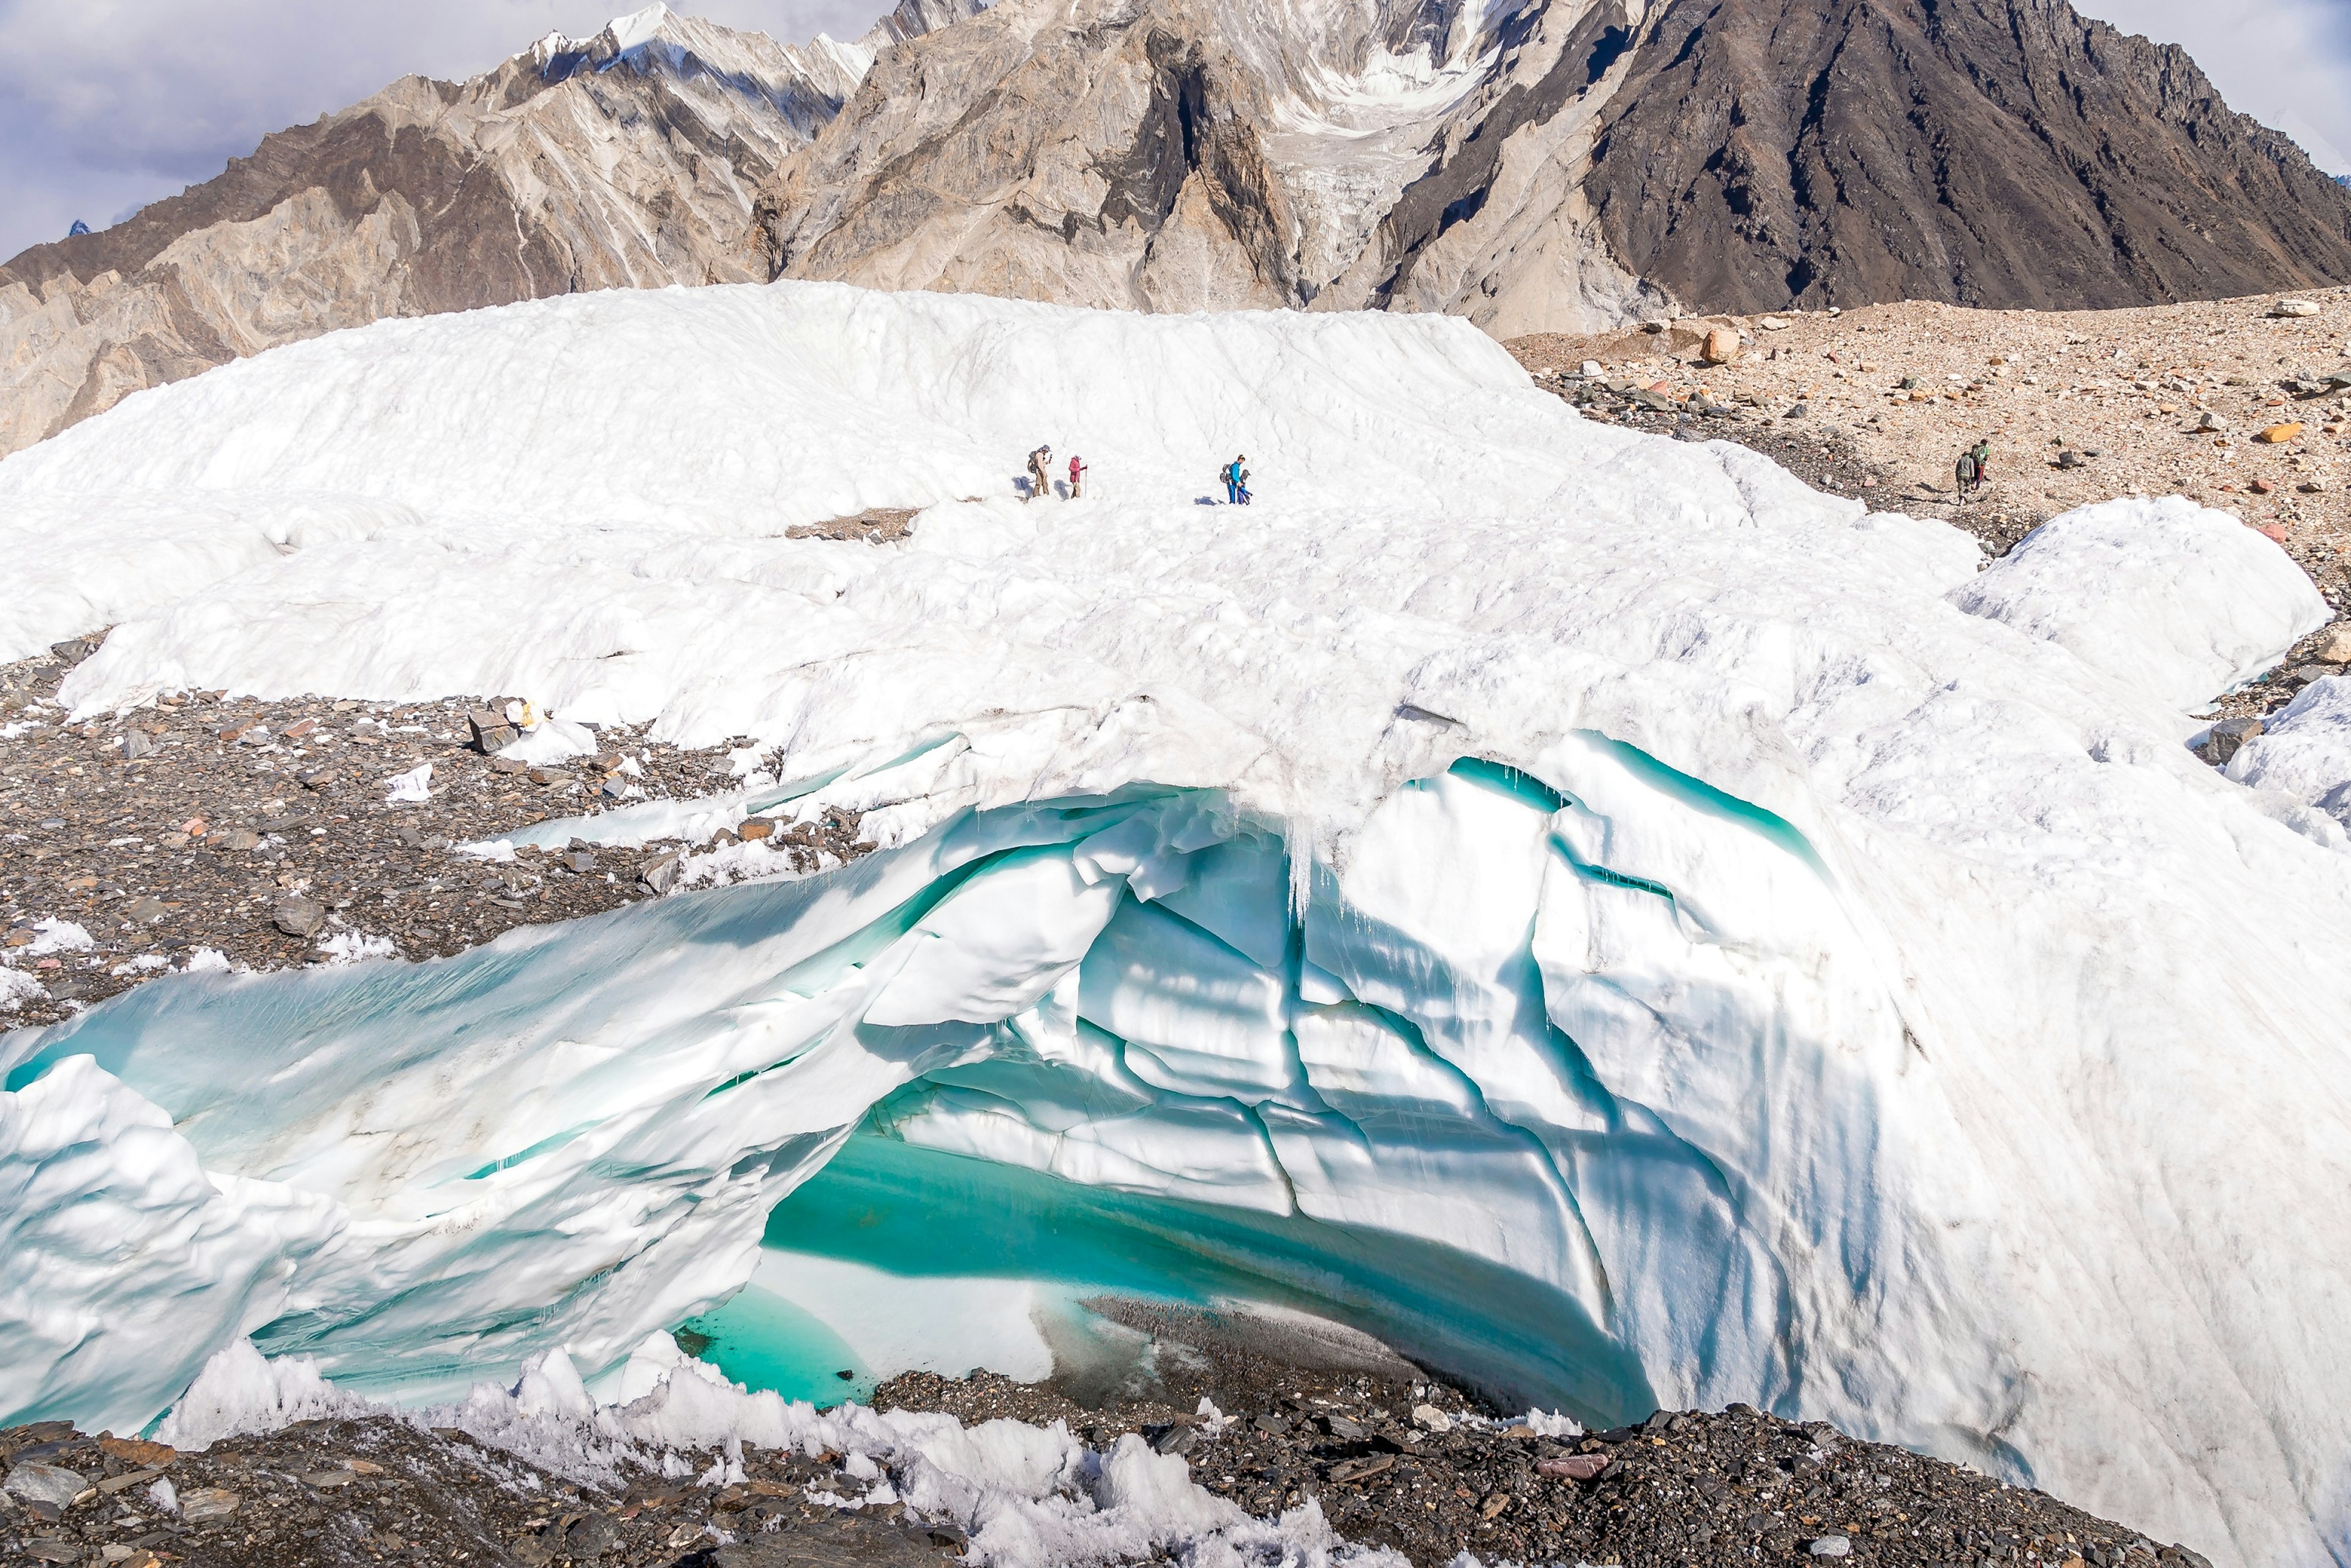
(1236, 478)
(1037, 480)
(1974, 467)
(1077, 477)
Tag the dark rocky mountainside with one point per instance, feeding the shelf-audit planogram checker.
(626, 160)
(1554, 164)
(1992, 152)
(1535, 165)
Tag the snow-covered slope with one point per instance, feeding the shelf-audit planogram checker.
(1619, 910)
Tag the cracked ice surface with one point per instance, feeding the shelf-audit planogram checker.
(1660, 934)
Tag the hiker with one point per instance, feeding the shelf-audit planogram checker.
(1974, 469)
(1037, 480)
(1077, 477)
(1235, 476)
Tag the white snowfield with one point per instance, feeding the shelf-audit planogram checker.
(1754, 954)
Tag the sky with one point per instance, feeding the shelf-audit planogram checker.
(108, 104)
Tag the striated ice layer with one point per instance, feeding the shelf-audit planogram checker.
(1582, 907)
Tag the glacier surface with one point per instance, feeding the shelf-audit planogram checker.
(1584, 906)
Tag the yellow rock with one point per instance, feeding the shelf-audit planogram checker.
(2279, 435)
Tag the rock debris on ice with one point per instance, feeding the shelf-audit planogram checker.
(1769, 959)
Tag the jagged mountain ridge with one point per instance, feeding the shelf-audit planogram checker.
(628, 159)
(1552, 165)
(1532, 165)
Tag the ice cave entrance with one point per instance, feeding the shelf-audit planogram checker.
(894, 1256)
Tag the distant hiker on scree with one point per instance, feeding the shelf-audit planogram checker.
(1974, 469)
(1077, 477)
(1236, 479)
(1037, 480)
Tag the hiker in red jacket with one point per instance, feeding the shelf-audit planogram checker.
(1077, 477)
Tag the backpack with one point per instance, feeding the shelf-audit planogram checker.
(1967, 467)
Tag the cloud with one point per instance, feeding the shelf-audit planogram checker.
(2287, 63)
(108, 104)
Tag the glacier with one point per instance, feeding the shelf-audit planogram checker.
(1581, 906)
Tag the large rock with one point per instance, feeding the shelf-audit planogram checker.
(52, 1484)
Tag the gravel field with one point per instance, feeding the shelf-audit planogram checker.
(222, 833)
(2079, 406)
(1391, 1455)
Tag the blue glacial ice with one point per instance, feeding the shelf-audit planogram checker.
(1585, 908)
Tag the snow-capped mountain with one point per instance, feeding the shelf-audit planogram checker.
(627, 159)
(1552, 165)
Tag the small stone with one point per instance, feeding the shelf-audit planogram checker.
(52, 1549)
(2262, 488)
(550, 777)
(136, 743)
(509, 765)
(754, 828)
(1177, 1439)
(146, 910)
(240, 839)
(1574, 1466)
(1430, 1417)
(1772, 324)
(298, 728)
(2333, 644)
(2293, 308)
(328, 1478)
(2312, 486)
(1830, 1546)
(207, 1503)
(2224, 739)
(2279, 435)
(1591, 367)
(299, 917)
(1799, 412)
(51, 1484)
(580, 861)
(662, 875)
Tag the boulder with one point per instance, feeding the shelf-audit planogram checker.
(2224, 739)
(1720, 347)
(51, 1484)
(299, 917)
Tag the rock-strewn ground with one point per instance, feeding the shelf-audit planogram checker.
(1878, 404)
(1391, 1457)
(260, 832)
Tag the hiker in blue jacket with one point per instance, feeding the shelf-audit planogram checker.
(1236, 479)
